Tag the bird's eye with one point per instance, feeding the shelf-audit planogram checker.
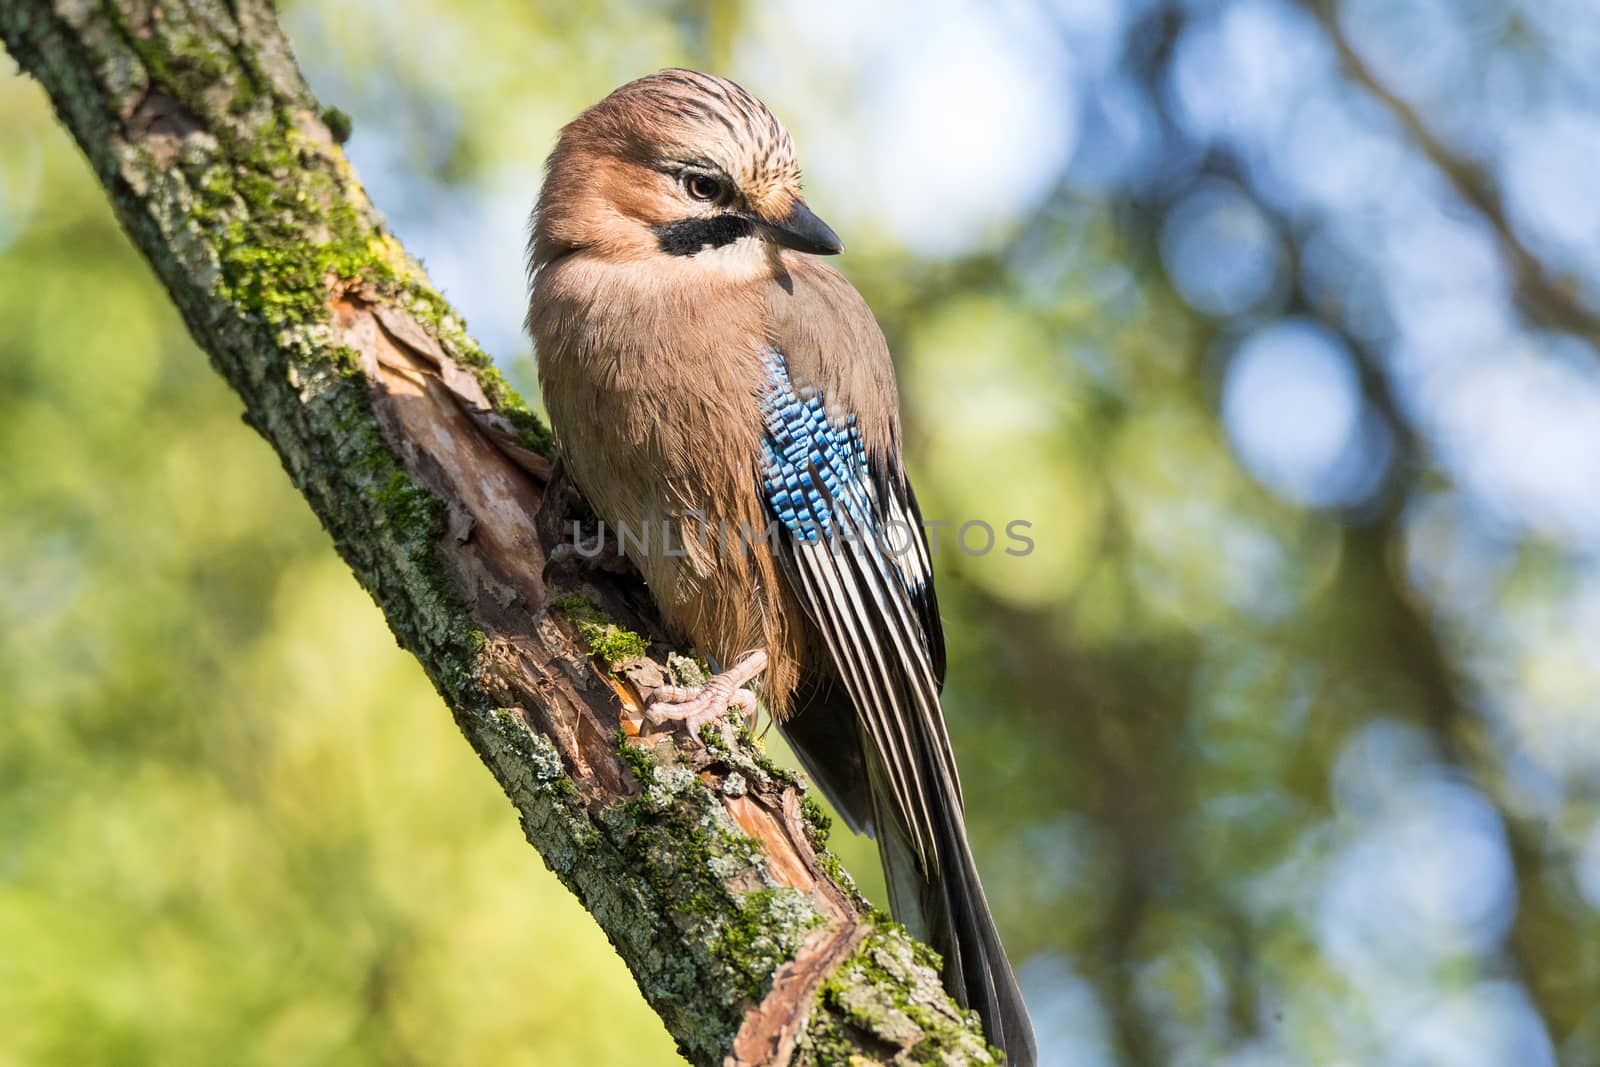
(703, 187)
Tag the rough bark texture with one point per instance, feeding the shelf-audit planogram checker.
(705, 865)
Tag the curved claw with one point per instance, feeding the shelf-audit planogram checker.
(695, 706)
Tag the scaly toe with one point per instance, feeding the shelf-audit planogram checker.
(744, 702)
(694, 707)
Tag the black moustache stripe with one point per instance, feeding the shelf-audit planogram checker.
(688, 236)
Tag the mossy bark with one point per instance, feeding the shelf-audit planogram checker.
(704, 864)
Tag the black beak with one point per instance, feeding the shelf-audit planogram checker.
(802, 231)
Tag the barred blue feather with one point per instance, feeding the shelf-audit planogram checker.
(814, 463)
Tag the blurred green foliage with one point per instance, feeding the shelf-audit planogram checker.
(236, 824)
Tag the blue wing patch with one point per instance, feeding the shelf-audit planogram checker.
(815, 462)
(822, 487)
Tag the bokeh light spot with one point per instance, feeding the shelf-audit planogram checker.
(1294, 411)
(1220, 250)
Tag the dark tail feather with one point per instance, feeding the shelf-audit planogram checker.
(949, 911)
(827, 739)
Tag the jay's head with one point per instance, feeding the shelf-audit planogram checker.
(675, 164)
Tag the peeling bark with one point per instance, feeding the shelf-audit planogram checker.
(704, 864)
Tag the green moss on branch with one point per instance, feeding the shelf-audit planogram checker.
(605, 640)
(889, 990)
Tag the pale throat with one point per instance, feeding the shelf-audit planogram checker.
(744, 259)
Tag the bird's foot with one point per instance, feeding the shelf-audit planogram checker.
(695, 706)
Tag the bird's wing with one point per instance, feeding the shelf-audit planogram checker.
(853, 552)
(852, 545)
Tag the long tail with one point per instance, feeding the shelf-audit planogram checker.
(946, 908)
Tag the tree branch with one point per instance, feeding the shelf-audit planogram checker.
(1544, 297)
(706, 867)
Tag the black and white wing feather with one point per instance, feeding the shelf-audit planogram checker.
(853, 545)
(853, 549)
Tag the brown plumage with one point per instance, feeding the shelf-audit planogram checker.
(699, 362)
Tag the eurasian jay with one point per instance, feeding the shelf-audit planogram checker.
(706, 372)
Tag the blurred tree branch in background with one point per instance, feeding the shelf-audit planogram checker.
(1544, 296)
(705, 865)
